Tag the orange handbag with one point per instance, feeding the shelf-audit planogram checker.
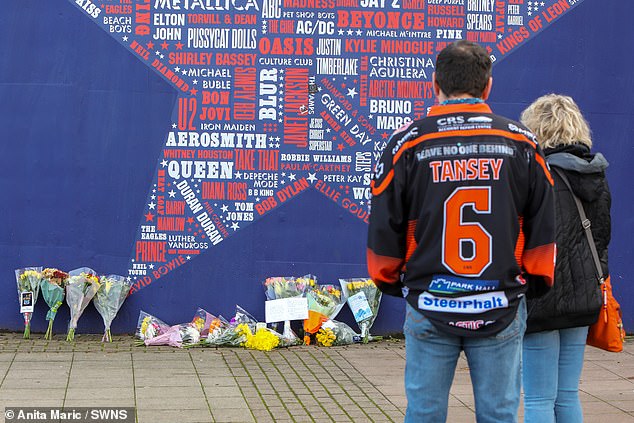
(608, 332)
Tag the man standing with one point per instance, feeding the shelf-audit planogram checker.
(462, 226)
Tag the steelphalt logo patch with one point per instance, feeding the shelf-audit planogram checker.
(471, 304)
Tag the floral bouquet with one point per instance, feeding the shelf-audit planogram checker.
(112, 293)
(52, 287)
(227, 335)
(288, 287)
(149, 326)
(185, 334)
(324, 303)
(82, 286)
(364, 299)
(203, 320)
(233, 333)
(333, 332)
(248, 333)
(217, 332)
(264, 339)
(28, 280)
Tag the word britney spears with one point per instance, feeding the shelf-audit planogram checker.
(466, 169)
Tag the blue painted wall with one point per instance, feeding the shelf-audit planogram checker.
(82, 122)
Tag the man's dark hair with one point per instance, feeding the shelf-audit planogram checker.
(463, 67)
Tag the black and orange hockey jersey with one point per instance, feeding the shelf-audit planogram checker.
(462, 218)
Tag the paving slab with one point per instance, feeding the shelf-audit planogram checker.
(357, 383)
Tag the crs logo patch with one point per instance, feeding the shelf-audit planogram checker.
(450, 120)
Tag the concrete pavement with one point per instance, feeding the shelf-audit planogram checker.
(356, 383)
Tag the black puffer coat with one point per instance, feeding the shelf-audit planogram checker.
(575, 299)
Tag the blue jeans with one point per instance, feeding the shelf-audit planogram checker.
(494, 364)
(552, 363)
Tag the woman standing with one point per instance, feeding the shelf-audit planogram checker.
(558, 322)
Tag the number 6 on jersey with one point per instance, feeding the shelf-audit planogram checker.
(457, 233)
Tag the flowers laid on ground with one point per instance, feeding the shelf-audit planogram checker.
(364, 299)
(149, 326)
(324, 302)
(82, 286)
(28, 280)
(52, 287)
(242, 331)
(176, 336)
(264, 339)
(228, 335)
(112, 292)
(203, 321)
(181, 335)
(287, 298)
(333, 332)
(218, 332)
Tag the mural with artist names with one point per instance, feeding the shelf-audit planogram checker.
(276, 97)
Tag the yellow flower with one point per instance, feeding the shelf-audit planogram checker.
(29, 273)
(243, 329)
(145, 324)
(325, 337)
(200, 323)
(263, 340)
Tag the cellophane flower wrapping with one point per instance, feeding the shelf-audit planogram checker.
(185, 334)
(218, 333)
(233, 333)
(148, 326)
(324, 303)
(108, 300)
(364, 299)
(28, 281)
(253, 335)
(203, 321)
(333, 332)
(288, 287)
(82, 286)
(52, 286)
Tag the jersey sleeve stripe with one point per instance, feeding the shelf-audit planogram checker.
(384, 269)
(544, 166)
(540, 261)
(410, 240)
(519, 244)
(383, 185)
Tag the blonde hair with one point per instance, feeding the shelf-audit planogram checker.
(556, 120)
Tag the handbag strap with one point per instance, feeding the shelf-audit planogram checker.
(585, 222)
